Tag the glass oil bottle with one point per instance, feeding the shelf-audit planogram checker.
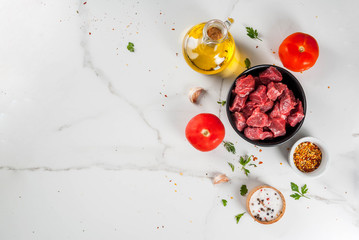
(209, 48)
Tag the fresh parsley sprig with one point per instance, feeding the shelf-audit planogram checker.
(224, 201)
(247, 62)
(238, 217)
(229, 146)
(299, 194)
(252, 33)
(221, 102)
(244, 160)
(244, 190)
(231, 165)
(131, 47)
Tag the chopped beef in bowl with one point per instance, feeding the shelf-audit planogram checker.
(266, 105)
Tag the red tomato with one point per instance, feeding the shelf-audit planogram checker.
(299, 52)
(205, 132)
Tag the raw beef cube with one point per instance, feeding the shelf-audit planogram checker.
(277, 126)
(238, 103)
(287, 102)
(240, 121)
(259, 95)
(254, 133)
(249, 108)
(296, 115)
(258, 119)
(244, 86)
(275, 113)
(275, 90)
(270, 74)
(266, 106)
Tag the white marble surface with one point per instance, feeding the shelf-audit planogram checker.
(91, 148)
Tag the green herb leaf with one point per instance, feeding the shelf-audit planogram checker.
(247, 160)
(224, 201)
(246, 171)
(244, 190)
(238, 217)
(247, 62)
(130, 47)
(231, 165)
(241, 160)
(296, 196)
(294, 187)
(252, 33)
(221, 102)
(244, 160)
(252, 164)
(304, 189)
(230, 147)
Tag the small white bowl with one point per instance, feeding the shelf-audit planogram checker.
(325, 157)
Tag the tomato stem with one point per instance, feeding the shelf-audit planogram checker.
(301, 49)
(205, 132)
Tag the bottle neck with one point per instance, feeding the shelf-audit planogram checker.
(215, 31)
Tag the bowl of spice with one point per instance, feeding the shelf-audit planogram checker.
(266, 204)
(309, 157)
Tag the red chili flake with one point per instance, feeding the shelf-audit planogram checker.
(170, 180)
(273, 52)
(260, 162)
(328, 86)
(165, 95)
(267, 199)
(260, 150)
(85, 3)
(307, 157)
(255, 158)
(173, 29)
(89, 33)
(256, 46)
(177, 54)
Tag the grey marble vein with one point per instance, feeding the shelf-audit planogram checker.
(220, 98)
(108, 167)
(75, 122)
(88, 63)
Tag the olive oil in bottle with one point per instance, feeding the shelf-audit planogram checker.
(209, 48)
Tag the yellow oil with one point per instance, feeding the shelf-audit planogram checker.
(208, 58)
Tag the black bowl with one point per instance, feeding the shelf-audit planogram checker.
(292, 83)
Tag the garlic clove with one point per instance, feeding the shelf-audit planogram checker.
(194, 94)
(221, 178)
